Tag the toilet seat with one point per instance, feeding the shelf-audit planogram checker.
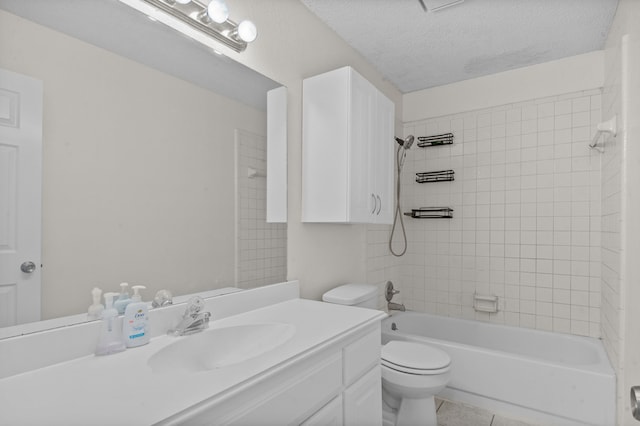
(414, 358)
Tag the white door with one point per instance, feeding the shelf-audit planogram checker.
(20, 197)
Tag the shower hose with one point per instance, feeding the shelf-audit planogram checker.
(401, 153)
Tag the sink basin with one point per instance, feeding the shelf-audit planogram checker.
(219, 347)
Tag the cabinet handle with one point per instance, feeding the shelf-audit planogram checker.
(375, 204)
(379, 204)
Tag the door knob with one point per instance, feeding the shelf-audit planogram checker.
(28, 267)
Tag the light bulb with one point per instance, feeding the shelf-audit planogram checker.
(247, 31)
(183, 1)
(218, 11)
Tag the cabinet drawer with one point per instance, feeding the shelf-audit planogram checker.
(329, 415)
(361, 355)
(297, 398)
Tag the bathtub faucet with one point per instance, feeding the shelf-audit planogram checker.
(389, 292)
(193, 319)
(396, 306)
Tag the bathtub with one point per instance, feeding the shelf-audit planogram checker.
(552, 378)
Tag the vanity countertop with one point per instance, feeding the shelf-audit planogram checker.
(122, 389)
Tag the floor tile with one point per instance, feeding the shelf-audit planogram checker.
(451, 414)
(503, 421)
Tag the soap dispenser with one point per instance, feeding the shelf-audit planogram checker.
(95, 310)
(135, 324)
(110, 340)
(123, 299)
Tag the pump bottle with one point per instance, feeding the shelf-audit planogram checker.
(135, 324)
(123, 299)
(95, 310)
(110, 340)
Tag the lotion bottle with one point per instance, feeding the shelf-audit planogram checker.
(135, 324)
(110, 340)
(123, 299)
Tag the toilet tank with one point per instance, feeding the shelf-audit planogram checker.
(361, 295)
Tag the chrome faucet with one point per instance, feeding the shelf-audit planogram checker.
(389, 292)
(193, 319)
(162, 298)
(396, 306)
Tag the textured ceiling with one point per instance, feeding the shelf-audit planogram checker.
(415, 49)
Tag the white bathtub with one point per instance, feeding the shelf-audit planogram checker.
(555, 379)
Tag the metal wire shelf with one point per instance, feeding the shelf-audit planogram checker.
(439, 176)
(435, 140)
(431, 213)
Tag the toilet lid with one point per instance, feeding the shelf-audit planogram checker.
(350, 294)
(414, 357)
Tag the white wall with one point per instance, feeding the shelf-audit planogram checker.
(294, 44)
(138, 171)
(621, 203)
(534, 82)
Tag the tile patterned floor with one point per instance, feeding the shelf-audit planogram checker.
(457, 414)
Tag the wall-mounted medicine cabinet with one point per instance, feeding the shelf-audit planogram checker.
(347, 150)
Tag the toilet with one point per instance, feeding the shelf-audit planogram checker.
(412, 373)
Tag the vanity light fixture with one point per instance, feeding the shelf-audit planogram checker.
(218, 11)
(210, 18)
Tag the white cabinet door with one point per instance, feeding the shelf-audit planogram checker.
(363, 400)
(383, 163)
(325, 159)
(362, 201)
(277, 155)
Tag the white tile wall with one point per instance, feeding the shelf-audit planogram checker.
(261, 247)
(381, 265)
(527, 208)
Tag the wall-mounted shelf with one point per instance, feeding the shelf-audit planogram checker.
(439, 176)
(431, 213)
(435, 140)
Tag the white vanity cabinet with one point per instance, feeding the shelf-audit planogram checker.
(324, 371)
(347, 150)
(338, 385)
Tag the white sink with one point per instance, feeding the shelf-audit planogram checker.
(219, 347)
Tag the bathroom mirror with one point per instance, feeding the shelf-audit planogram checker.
(154, 155)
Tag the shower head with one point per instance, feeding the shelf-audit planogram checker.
(406, 143)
